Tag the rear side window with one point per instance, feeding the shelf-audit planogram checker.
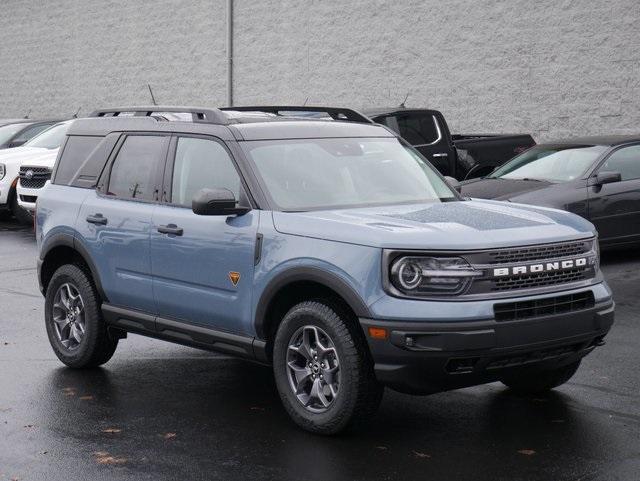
(76, 151)
(134, 172)
(416, 128)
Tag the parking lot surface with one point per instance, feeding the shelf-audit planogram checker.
(161, 411)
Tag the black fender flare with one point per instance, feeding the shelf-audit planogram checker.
(63, 239)
(310, 274)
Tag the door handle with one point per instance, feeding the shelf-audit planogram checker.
(441, 154)
(97, 219)
(170, 229)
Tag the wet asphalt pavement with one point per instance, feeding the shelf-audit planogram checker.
(160, 411)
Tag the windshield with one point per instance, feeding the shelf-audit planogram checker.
(51, 138)
(554, 164)
(8, 131)
(309, 174)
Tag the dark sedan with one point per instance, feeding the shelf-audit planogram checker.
(595, 177)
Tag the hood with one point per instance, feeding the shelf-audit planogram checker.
(42, 159)
(500, 189)
(461, 225)
(21, 155)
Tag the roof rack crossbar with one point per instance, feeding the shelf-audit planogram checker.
(201, 115)
(336, 113)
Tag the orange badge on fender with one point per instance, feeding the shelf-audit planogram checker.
(234, 277)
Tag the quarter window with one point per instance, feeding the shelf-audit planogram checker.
(134, 172)
(626, 161)
(75, 153)
(199, 164)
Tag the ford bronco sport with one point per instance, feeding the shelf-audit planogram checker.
(331, 250)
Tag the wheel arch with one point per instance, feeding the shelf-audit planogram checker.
(61, 249)
(302, 283)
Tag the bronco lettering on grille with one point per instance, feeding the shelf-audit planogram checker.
(542, 267)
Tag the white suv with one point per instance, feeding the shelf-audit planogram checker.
(29, 169)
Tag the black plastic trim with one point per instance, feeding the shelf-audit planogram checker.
(181, 332)
(309, 274)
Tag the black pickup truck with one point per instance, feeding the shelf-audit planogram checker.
(454, 155)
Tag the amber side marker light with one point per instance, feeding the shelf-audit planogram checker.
(377, 333)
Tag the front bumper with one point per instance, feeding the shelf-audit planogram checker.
(27, 198)
(7, 184)
(429, 357)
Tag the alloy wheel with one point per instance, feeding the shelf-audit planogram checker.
(313, 368)
(69, 316)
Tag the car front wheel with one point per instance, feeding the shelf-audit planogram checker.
(323, 369)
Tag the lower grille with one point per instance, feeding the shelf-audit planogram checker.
(34, 177)
(533, 356)
(513, 311)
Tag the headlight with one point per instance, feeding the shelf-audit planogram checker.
(3, 170)
(424, 276)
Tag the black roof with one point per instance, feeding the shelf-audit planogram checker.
(247, 125)
(596, 140)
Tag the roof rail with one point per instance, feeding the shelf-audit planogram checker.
(198, 114)
(336, 113)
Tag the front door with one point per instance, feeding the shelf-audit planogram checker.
(202, 265)
(615, 208)
(114, 223)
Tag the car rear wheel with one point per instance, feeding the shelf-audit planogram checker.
(323, 369)
(75, 327)
(541, 381)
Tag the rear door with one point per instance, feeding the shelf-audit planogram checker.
(115, 220)
(202, 265)
(615, 208)
(425, 131)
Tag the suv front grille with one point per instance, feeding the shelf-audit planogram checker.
(513, 311)
(546, 252)
(34, 177)
(532, 267)
(537, 280)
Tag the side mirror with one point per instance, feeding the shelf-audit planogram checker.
(453, 183)
(216, 202)
(605, 178)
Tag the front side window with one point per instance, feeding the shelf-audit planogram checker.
(134, 171)
(309, 174)
(199, 164)
(549, 163)
(626, 161)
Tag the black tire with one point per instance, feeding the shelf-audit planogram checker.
(96, 346)
(359, 393)
(22, 216)
(541, 381)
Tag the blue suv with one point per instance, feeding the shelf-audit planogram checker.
(328, 249)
